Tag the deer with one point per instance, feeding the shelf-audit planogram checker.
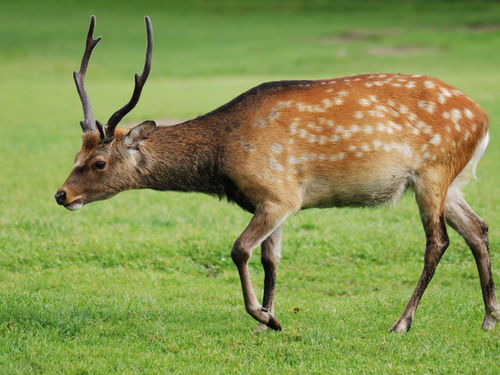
(286, 146)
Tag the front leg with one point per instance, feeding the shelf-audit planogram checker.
(271, 252)
(268, 217)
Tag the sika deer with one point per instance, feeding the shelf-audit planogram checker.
(290, 145)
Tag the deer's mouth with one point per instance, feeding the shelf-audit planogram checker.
(75, 205)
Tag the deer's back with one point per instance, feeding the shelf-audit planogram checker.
(356, 140)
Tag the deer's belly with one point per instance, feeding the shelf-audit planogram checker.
(339, 191)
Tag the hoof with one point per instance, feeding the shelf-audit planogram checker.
(489, 321)
(260, 328)
(273, 323)
(401, 326)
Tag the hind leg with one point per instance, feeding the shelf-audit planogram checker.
(474, 230)
(430, 195)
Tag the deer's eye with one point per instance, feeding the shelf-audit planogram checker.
(99, 164)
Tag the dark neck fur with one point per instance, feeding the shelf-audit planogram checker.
(189, 157)
(185, 157)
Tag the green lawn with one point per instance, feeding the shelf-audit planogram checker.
(143, 283)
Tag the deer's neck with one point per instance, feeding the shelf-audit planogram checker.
(185, 157)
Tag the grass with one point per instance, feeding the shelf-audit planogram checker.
(143, 283)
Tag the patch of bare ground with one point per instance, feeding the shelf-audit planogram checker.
(483, 27)
(359, 35)
(401, 50)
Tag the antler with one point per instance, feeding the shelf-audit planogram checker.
(140, 80)
(88, 123)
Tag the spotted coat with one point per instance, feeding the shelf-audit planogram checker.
(358, 140)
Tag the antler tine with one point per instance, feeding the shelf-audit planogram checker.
(140, 80)
(88, 123)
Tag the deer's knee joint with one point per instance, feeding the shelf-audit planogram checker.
(240, 253)
(270, 260)
(433, 255)
(484, 227)
(438, 242)
(484, 230)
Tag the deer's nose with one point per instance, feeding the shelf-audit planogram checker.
(60, 197)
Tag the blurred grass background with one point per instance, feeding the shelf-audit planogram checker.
(143, 283)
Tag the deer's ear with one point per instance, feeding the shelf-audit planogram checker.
(139, 133)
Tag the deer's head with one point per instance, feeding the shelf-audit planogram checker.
(109, 160)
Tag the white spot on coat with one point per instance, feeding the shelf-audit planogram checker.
(338, 156)
(355, 128)
(364, 102)
(468, 113)
(429, 84)
(375, 113)
(327, 103)
(403, 148)
(259, 123)
(456, 114)
(394, 112)
(313, 126)
(436, 139)
(445, 92)
(274, 164)
(395, 125)
(276, 148)
(427, 105)
(412, 116)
